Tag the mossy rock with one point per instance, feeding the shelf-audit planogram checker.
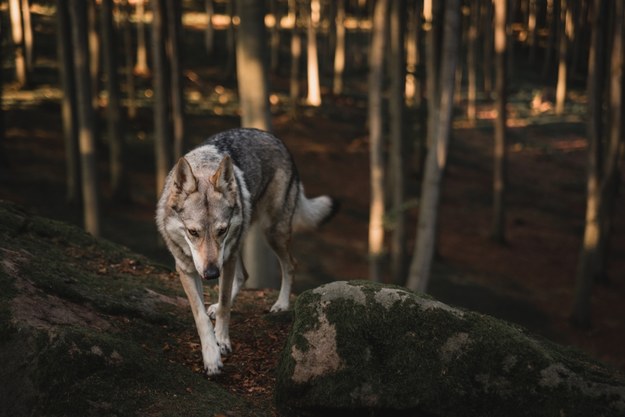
(84, 329)
(362, 345)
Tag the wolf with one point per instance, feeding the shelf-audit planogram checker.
(210, 199)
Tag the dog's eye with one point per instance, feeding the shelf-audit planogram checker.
(221, 230)
(193, 232)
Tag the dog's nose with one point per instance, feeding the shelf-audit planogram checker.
(211, 272)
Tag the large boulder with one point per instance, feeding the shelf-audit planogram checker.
(361, 345)
(86, 328)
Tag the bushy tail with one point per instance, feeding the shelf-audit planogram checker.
(312, 213)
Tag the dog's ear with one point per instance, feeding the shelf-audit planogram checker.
(223, 179)
(184, 182)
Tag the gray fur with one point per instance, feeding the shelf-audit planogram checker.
(210, 199)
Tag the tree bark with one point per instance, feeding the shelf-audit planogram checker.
(296, 55)
(500, 180)
(314, 90)
(17, 33)
(339, 50)
(565, 22)
(85, 117)
(141, 67)
(162, 124)
(68, 104)
(252, 77)
(173, 49)
(472, 62)
(209, 32)
(420, 267)
(115, 130)
(586, 267)
(397, 69)
(376, 77)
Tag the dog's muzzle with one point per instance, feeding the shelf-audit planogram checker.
(212, 272)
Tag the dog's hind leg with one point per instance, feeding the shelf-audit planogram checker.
(222, 310)
(210, 350)
(279, 242)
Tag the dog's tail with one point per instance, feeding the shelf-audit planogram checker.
(311, 213)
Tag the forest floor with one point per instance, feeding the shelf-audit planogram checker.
(530, 280)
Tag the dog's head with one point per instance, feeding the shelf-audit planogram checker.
(210, 212)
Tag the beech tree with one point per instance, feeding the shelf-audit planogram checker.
(420, 267)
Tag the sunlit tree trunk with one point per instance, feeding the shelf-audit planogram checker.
(339, 50)
(397, 101)
(162, 124)
(487, 30)
(531, 29)
(413, 82)
(141, 67)
(565, 26)
(85, 117)
(253, 84)
(17, 33)
(174, 16)
(376, 78)
(586, 267)
(94, 51)
(500, 159)
(116, 134)
(296, 56)
(68, 104)
(421, 265)
(314, 90)
(28, 36)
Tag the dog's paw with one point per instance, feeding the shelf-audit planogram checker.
(212, 311)
(211, 356)
(224, 346)
(279, 306)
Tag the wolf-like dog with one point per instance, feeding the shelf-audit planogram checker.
(210, 198)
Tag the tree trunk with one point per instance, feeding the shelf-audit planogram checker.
(314, 91)
(252, 77)
(500, 159)
(413, 81)
(586, 267)
(209, 32)
(130, 79)
(531, 29)
(339, 50)
(28, 36)
(230, 39)
(85, 117)
(472, 62)
(565, 22)
(376, 77)
(420, 268)
(174, 16)
(487, 30)
(296, 55)
(116, 134)
(94, 52)
(397, 101)
(17, 33)
(162, 124)
(68, 104)
(141, 67)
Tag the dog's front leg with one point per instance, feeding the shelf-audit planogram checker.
(210, 350)
(222, 310)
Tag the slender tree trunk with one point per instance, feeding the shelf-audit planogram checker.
(209, 33)
(94, 51)
(68, 104)
(230, 39)
(412, 90)
(174, 16)
(314, 90)
(339, 50)
(500, 159)
(432, 67)
(420, 268)
(162, 125)
(487, 28)
(397, 101)
(376, 77)
(553, 19)
(17, 33)
(531, 29)
(472, 62)
(252, 76)
(130, 79)
(85, 117)
(28, 36)
(116, 134)
(141, 67)
(586, 267)
(565, 22)
(296, 56)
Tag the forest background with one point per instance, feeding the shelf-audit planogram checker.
(476, 146)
